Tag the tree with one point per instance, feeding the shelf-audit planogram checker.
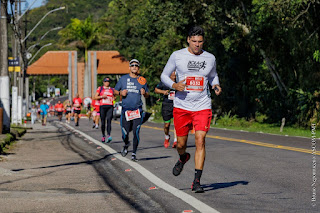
(85, 33)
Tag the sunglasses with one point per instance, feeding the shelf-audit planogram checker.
(134, 65)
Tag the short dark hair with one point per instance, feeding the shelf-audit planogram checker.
(196, 31)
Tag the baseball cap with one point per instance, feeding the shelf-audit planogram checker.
(134, 61)
(106, 79)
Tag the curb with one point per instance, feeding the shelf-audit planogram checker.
(9, 138)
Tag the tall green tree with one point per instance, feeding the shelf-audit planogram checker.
(84, 33)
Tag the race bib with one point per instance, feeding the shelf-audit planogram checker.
(171, 95)
(131, 115)
(194, 83)
(107, 101)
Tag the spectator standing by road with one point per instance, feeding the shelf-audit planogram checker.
(44, 112)
(131, 87)
(195, 69)
(167, 109)
(77, 105)
(105, 94)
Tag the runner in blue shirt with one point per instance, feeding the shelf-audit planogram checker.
(131, 87)
(44, 112)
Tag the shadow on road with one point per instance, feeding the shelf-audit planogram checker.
(155, 158)
(215, 186)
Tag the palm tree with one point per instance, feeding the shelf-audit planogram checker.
(86, 34)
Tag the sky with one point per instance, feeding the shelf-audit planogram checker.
(38, 3)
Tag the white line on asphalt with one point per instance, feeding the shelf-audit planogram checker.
(197, 204)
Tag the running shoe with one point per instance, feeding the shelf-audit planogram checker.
(103, 139)
(134, 158)
(174, 145)
(109, 139)
(77, 124)
(177, 169)
(94, 125)
(166, 143)
(124, 151)
(196, 187)
(97, 127)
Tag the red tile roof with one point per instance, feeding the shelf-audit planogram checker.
(56, 63)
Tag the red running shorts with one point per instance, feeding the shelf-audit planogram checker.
(185, 120)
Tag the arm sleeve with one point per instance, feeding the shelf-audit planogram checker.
(213, 77)
(168, 69)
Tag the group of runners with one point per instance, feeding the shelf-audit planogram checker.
(186, 84)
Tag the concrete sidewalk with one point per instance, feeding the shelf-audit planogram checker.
(40, 174)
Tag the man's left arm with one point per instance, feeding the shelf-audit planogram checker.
(145, 91)
(213, 79)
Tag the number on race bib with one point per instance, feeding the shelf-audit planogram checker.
(194, 83)
(131, 115)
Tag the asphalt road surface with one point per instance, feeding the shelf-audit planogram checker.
(244, 172)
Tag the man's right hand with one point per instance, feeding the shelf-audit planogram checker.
(179, 86)
(124, 92)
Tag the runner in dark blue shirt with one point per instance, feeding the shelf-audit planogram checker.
(131, 87)
(167, 109)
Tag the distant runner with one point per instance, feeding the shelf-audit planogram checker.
(96, 113)
(167, 109)
(59, 109)
(44, 112)
(68, 109)
(77, 105)
(106, 96)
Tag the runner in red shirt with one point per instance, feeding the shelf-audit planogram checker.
(77, 104)
(96, 113)
(59, 109)
(106, 96)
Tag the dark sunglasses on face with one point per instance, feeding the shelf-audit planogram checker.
(134, 65)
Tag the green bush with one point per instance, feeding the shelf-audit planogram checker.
(260, 118)
(156, 111)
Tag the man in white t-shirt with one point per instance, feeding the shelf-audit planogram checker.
(195, 69)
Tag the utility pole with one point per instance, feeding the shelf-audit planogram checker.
(4, 73)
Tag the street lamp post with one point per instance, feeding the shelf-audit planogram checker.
(25, 38)
(44, 35)
(38, 52)
(22, 54)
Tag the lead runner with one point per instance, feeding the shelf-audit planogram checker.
(195, 68)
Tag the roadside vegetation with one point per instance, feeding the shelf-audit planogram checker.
(267, 51)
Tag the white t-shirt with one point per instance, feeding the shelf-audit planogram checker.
(186, 65)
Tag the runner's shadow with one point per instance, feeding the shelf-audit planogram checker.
(215, 186)
(90, 162)
(155, 158)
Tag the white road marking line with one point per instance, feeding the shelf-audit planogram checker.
(192, 201)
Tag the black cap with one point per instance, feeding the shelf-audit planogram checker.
(106, 79)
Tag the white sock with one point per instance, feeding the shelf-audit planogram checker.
(167, 137)
(175, 140)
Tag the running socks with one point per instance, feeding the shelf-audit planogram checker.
(197, 175)
(183, 157)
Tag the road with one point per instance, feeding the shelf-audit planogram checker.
(244, 172)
